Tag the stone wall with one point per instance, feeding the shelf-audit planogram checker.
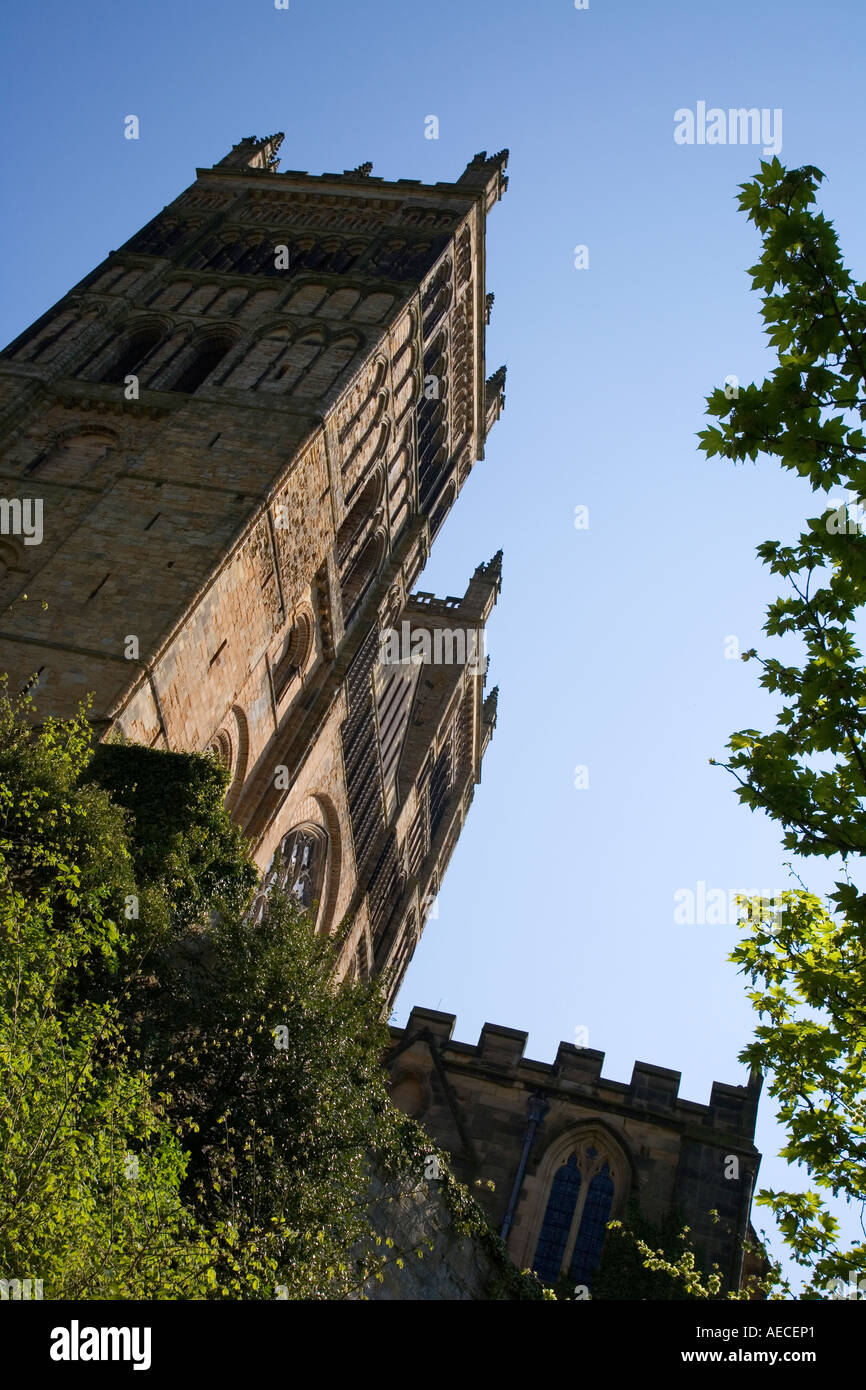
(459, 1268)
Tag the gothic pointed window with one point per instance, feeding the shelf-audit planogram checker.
(574, 1228)
(557, 1222)
(593, 1227)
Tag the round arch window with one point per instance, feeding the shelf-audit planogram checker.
(296, 652)
(220, 747)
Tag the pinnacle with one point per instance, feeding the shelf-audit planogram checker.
(491, 570)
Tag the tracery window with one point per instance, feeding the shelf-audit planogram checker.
(557, 1221)
(298, 869)
(575, 1220)
(592, 1230)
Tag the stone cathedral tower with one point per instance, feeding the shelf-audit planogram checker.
(240, 435)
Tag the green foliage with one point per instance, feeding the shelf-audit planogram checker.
(807, 959)
(90, 1199)
(277, 1087)
(276, 1083)
(641, 1260)
(63, 845)
(192, 1108)
(182, 839)
(806, 966)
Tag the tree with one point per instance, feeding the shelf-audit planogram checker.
(191, 1106)
(806, 958)
(272, 1074)
(189, 1103)
(90, 1202)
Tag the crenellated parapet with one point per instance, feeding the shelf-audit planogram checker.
(578, 1071)
(535, 1129)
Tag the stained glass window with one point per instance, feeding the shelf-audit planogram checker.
(564, 1193)
(590, 1237)
(590, 1205)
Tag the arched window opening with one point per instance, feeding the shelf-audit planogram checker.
(359, 519)
(437, 298)
(590, 1236)
(309, 254)
(578, 1209)
(344, 259)
(442, 509)
(295, 655)
(220, 748)
(297, 869)
(432, 418)
(298, 359)
(233, 255)
(73, 459)
(240, 742)
(361, 544)
(134, 352)
(206, 360)
(558, 1217)
(440, 783)
(362, 573)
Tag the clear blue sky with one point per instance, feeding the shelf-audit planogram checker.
(609, 643)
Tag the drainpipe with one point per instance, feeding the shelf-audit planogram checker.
(536, 1110)
(742, 1232)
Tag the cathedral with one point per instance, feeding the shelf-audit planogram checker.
(246, 428)
(227, 453)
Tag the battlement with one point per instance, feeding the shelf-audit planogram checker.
(577, 1071)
